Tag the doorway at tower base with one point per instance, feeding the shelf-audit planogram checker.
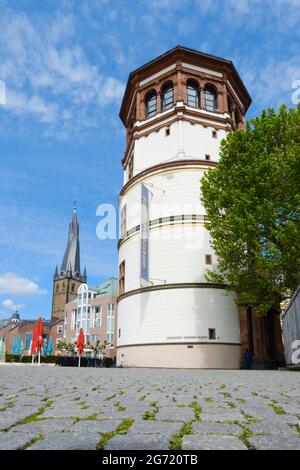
(181, 356)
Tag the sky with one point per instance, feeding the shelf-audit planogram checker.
(65, 64)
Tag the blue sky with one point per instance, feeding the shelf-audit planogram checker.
(65, 64)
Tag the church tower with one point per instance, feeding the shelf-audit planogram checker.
(68, 279)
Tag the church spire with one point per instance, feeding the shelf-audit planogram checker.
(71, 260)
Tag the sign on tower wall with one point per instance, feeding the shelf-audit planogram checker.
(145, 233)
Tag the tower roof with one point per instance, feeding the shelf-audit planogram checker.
(15, 316)
(181, 53)
(71, 259)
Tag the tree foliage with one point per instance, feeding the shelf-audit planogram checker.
(252, 201)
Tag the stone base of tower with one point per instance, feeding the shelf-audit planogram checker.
(263, 337)
(187, 356)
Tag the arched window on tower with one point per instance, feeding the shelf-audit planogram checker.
(230, 107)
(167, 96)
(192, 93)
(237, 118)
(210, 98)
(150, 104)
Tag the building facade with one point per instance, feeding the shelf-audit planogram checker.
(176, 110)
(16, 327)
(67, 281)
(94, 310)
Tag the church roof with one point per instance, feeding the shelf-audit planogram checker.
(71, 259)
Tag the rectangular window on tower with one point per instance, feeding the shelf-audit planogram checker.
(211, 333)
(130, 168)
(123, 221)
(208, 259)
(122, 278)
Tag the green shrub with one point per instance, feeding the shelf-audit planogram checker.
(27, 359)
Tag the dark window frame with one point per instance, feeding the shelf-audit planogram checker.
(210, 99)
(167, 96)
(192, 93)
(150, 104)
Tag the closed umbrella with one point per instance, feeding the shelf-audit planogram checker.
(19, 346)
(40, 340)
(44, 350)
(80, 344)
(2, 348)
(34, 342)
(13, 345)
(50, 346)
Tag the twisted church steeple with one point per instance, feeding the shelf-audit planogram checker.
(71, 260)
(68, 279)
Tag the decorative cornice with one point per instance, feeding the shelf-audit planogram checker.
(180, 285)
(164, 166)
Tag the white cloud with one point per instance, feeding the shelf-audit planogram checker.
(21, 104)
(48, 75)
(11, 283)
(11, 305)
(271, 84)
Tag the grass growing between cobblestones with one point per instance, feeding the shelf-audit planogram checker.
(150, 415)
(35, 416)
(176, 440)
(92, 417)
(110, 398)
(277, 409)
(245, 436)
(33, 441)
(122, 429)
(197, 409)
(250, 419)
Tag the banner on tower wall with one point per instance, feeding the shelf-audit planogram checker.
(145, 234)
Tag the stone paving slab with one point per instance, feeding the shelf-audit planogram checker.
(44, 426)
(223, 415)
(216, 428)
(272, 427)
(202, 442)
(67, 441)
(275, 442)
(174, 413)
(155, 427)
(138, 442)
(14, 441)
(94, 426)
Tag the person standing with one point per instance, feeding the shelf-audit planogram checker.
(248, 356)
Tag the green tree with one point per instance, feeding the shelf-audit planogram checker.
(252, 201)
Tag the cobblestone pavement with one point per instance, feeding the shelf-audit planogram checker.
(149, 409)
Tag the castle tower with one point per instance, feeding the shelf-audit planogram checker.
(15, 318)
(68, 279)
(176, 110)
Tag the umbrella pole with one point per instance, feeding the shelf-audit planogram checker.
(32, 359)
(39, 358)
(79, 360)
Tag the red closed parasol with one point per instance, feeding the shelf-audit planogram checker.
(80, 344)
(34, 340)
(37, 339)
(40, 332)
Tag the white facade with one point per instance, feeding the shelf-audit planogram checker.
(177, 255)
